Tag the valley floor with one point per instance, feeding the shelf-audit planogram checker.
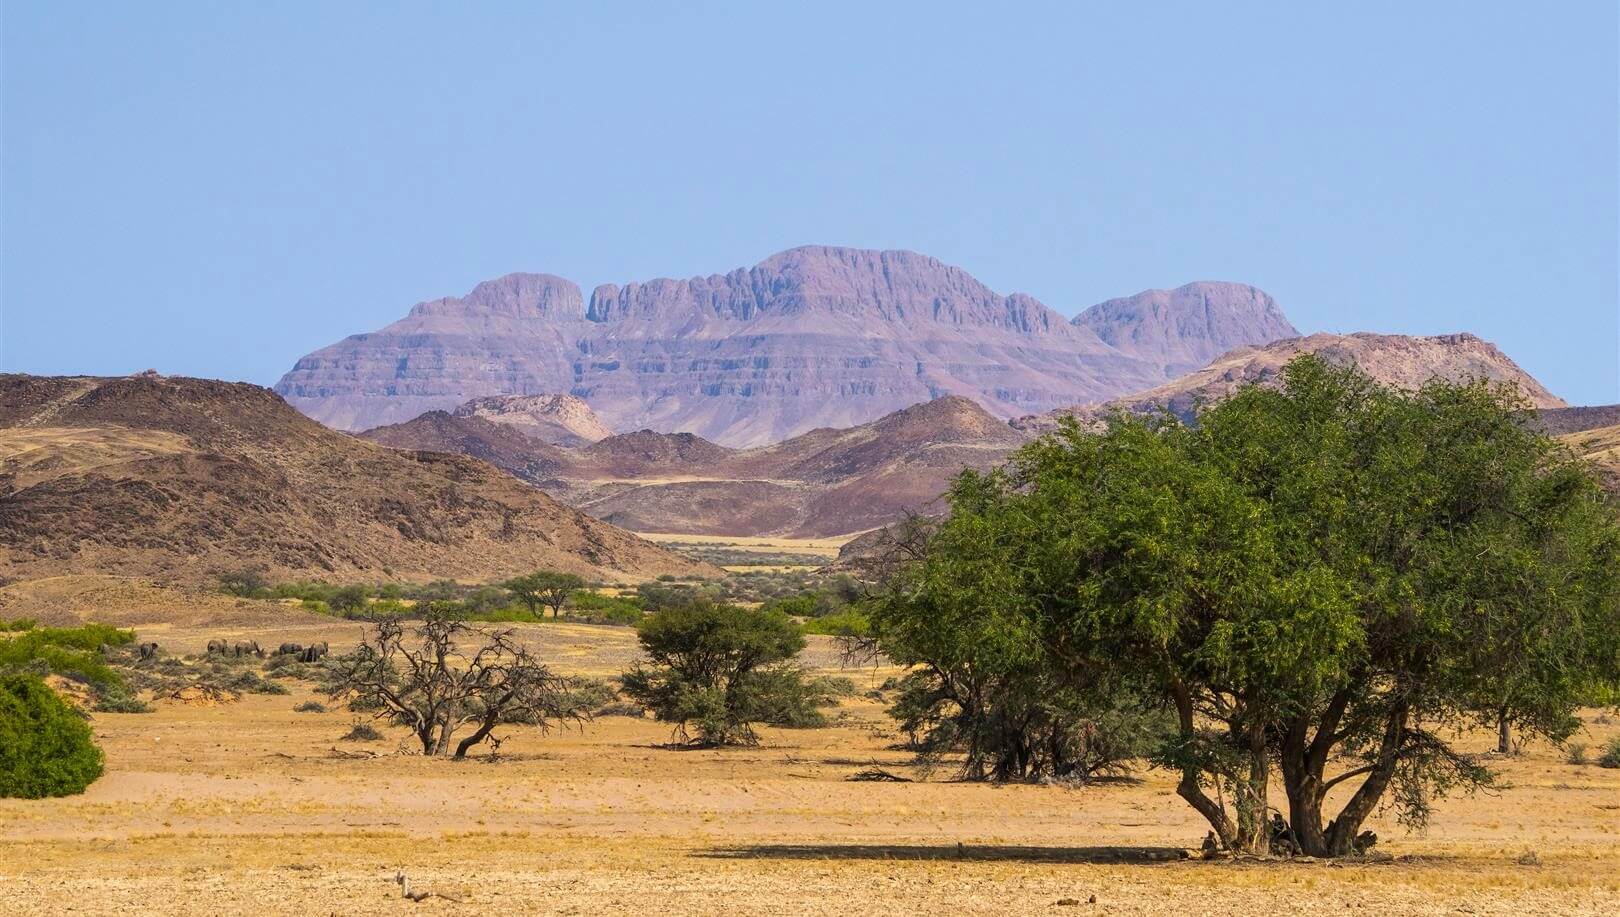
(254, 808)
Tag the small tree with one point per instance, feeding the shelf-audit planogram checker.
(718, 669)
(546, 588)
(447, 675)
(247, 583)
(349, 600)
(45, 747)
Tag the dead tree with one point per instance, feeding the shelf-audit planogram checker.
(447, 675)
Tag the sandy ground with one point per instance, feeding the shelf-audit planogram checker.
(254, 808)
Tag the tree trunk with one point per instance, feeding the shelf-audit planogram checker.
(1250, 800)
(1504, 734)
(1341, 833)
(1188, 787)
(478, 735)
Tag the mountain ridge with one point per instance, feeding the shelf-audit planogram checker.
(815, 336)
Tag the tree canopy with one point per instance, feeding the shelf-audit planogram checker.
(1320, 579)
(717, 669)
(547, 588)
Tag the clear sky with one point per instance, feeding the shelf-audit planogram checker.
(215, 189)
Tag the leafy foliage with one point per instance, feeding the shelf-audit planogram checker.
(76, 653)
(544, 588)
(45, 746)
(1329, 574)
(718, 669)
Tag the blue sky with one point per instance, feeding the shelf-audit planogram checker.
(215, 189)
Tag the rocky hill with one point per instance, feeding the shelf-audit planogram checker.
(1393, 359)
(180, 479)
(811, 337)
(822, 483)
(562, 420)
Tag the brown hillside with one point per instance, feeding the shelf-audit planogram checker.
(180, 479)
(1393, 359)
(822, 483)
(1601, 447)
(459, 434)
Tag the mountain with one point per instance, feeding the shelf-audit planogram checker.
(1393, 359)
(811, 337)
(562, 420)
(821, 483)
(1560, 421)
(180, 479)
(1185, 328)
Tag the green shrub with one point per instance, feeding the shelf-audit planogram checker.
(249, 682)
(718, 669)
(18, 624)
(511, 614)
(72, 652)
(847, 623)
(1611, 754)
(45, 747)
(1576, 753)
(592, 608)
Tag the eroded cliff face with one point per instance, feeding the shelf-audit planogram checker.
(1183, 329)
(812, 337)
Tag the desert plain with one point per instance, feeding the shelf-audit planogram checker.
(253, 807)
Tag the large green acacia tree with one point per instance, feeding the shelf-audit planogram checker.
(1323, 580)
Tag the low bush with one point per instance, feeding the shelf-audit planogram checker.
(75, 653)
(310, 706)
(45, 746)
(361, 731)
(1611, 754)
(249, 682)
(1576, 753)
(591, 608)
(847, 623)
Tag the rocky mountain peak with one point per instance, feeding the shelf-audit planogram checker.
(522, 296)
(1185, 328)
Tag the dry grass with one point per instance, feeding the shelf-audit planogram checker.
(251, 807)
(824, 547)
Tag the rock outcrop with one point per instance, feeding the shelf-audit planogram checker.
(562, 420)
(1393, 359)
(812, 337)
